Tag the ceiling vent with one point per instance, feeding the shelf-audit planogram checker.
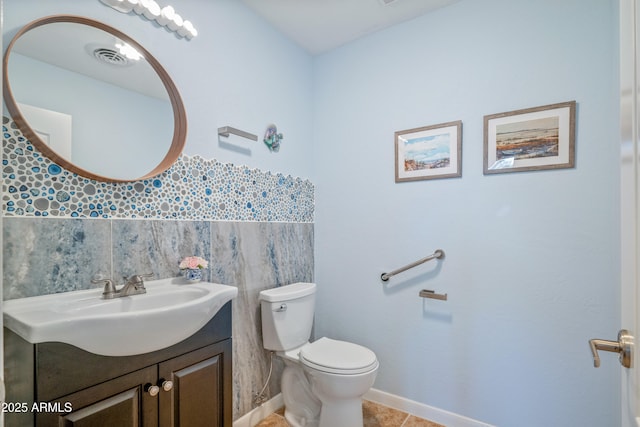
(110, 56)
(387, 2)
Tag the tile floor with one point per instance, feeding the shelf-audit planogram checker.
(374, 414)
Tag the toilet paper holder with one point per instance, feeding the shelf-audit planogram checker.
(426, 293)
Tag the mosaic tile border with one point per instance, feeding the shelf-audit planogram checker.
(193, 188)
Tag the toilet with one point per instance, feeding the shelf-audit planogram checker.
(323, 382)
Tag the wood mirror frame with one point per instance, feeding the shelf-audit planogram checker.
(179, 113)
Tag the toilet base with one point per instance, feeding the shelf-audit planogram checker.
(302, 407)
(295, 421)
(340, 396)
(345, 413)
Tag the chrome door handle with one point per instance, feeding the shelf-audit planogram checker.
(624, 347)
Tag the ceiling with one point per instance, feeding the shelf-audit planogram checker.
(321, 25)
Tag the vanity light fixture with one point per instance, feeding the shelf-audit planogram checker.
(150, 9)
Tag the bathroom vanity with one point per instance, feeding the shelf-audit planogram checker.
(187, 384)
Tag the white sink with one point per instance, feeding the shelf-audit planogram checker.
(169, 312)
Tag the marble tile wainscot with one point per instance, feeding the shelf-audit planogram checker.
(47, 255)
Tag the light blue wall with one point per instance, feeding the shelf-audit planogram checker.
(238, 71)
(532, 258)
(531, 266)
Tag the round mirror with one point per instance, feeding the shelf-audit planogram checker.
(93, 100)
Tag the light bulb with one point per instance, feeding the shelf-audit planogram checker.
(119, 5)
(141, 6)
(187, 30)
(152, 11)
(166, 15)
(175, 23)
(127, 6)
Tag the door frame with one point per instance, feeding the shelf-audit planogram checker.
(629, 200)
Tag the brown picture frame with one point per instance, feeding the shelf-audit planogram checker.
(531, 139)
(429, 152)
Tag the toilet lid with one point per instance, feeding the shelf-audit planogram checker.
(336, 356)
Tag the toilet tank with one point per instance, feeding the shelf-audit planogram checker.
(287, 315)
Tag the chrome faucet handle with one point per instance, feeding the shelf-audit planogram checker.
(138, 279)
(135, 281)
(109, 287)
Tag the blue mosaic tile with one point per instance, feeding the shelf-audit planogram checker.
(193, 188)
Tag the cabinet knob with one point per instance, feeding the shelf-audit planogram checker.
(153, 390)
(167, 385)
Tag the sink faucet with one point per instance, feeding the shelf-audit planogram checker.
(133, 285)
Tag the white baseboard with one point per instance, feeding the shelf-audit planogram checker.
(418, 409)
(421, 410)
(252, 418)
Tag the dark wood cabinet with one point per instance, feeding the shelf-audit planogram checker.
(188, 384)
(122, 401)
(196, 396)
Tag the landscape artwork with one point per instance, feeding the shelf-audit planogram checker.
(530, 139)
(429, 152)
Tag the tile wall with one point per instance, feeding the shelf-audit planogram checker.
(255, 228)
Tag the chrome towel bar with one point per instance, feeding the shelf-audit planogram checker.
(226, 130)
(439, 253)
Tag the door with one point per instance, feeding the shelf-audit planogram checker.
(54, 128)
(630, 201)
(194, 387)
(124, 402)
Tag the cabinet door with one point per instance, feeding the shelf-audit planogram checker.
(200, 381)
(122, 402)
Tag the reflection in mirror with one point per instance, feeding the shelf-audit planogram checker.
(93, 100)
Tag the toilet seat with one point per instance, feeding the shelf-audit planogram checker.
(338, 357)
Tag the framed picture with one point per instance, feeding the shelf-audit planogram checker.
(429, 152)
(531, 139)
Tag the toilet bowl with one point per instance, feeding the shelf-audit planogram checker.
(340, 373)
(323, 381)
